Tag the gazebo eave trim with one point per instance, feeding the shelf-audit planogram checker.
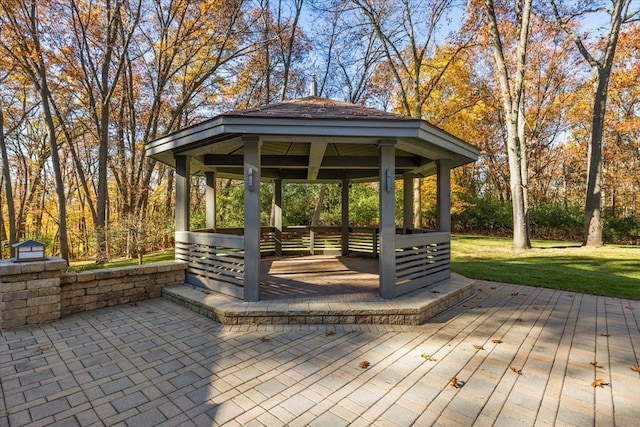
(227, 127)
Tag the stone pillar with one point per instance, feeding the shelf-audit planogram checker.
(210, 198)
(387, 261)
(407, 202)
(30, 292)
(345, 217)
(443, 217)
(277, 216)
(183, 190)
(251, 218)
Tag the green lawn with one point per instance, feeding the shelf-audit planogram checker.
(611, 270)
(161, 256)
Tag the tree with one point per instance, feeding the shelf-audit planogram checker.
(512, 94)
(102, 35)
(601, 67)
(21, 40)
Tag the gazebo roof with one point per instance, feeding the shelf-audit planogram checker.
(312, 139)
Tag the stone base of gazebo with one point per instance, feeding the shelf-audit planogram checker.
(413, 308)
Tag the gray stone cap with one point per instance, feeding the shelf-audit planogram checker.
(9, 267)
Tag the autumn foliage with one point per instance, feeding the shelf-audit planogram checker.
(91, 82)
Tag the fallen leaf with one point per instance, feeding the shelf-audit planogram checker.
(605, 335)
(364, 364)
(636, 368)
(629, 307)
(265, 339)
(492, 288)
(515, 294)
(453, 382)
(519, 319)
(478, 347)
(595, 364)
(43, 349)
(330, 333)
(516, 370)
(435, 291)
(150, 311)
(428, 357)
(480, 289)
(599, 383)
(496, 341)
(571, 295)
(536, 308)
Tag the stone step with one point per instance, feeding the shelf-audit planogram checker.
(413, 308)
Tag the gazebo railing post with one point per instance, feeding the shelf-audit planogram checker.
(277, 217)
(210, 199)
(344, 240)
(251, 218)
(387, 260)
(407, 202)
(443, 195)
(183, 186)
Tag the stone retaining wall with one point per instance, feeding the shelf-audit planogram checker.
(89, 290)
(30, 292)
(38, 292)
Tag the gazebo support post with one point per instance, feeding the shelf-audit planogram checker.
(277, 216)
(443, 195)
(344, 240)
(210, 198)
(183, 187)
(407, 202)
(387, 261)
(251, 218)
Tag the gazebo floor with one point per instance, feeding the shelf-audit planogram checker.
(324, 289)
(327, 276)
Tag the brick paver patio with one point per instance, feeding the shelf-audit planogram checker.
(158, 363)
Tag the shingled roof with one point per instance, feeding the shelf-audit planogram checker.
(314, 107)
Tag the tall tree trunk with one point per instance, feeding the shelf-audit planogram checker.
(6, 174)
(601, 71)
(593, 227)
(512, 94)
(55, 163)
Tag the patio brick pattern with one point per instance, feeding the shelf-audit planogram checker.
(158, 363)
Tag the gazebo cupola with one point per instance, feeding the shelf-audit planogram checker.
(312, 140)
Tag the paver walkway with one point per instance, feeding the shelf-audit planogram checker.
(158, 363)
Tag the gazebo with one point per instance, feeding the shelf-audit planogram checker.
(312, 140)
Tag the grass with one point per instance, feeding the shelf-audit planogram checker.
(611, 270)
(161, 256)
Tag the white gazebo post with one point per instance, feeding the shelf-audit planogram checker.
(210, 198)
(277, 216)
(387, 261)
(407, 202)
(443, 195)
(183, 187)
(345, 218)
(251, 218)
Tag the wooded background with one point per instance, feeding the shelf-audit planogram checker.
(548, 90)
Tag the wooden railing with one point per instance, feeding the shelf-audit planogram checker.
(216, 261)
(421, 259)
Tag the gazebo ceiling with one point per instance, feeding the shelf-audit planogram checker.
(312, 139)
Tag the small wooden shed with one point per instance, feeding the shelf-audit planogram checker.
(312, 139)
